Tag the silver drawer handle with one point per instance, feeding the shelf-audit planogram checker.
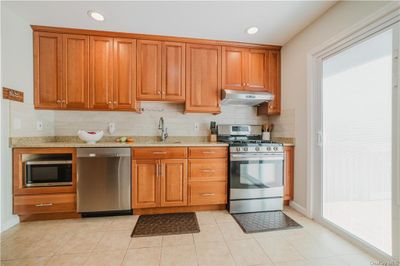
(208, 152)
(159, 152)
(208, 170)
(44, 204)
(207, 194)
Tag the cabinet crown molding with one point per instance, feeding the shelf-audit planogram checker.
(151, 37)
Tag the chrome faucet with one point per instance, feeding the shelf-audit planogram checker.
(164, 132)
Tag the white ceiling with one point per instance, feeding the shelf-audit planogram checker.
(278, 21)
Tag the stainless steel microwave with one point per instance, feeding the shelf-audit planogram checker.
(40, 173)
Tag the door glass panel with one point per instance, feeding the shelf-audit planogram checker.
(357, 141)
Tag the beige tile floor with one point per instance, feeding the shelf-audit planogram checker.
(106, 241)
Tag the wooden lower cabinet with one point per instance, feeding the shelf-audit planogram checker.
(288, 174)
(165, 180)
(46, 203)
(159, 183)
(145, 183)
(205, 193)
(173, 182)
(43, 203)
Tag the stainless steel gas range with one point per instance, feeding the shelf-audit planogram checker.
(255, 169)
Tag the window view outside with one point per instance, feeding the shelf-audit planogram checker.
(357, 113)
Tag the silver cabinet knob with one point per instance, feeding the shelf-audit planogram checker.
(115, 103)
(58, 101)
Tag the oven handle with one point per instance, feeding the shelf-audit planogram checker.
(257, 157)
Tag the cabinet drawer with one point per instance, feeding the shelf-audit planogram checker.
(49, 203)
(208, 152)
(208, 169)
(159, 153)
(204, 193)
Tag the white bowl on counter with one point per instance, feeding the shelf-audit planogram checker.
(90, 137)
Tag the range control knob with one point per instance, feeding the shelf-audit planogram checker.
(257, 148)
(245, 149)
(275, 148)
(268, 148)
(237, 149)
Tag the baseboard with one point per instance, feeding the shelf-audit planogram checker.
(298, 208)
(9, 223)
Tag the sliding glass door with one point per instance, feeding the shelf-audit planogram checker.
(357, 143)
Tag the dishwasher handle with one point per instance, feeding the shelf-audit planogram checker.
(103, 152)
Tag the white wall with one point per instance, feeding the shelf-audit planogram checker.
(294, 77)
(16, 73)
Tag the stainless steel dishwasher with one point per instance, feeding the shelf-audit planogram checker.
(104, 181)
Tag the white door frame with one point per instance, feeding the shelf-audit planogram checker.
(382, 19)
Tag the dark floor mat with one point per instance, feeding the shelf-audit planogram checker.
(166, 224)
(264, 221)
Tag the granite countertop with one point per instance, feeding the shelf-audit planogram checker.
(109, 141)
(141, 141)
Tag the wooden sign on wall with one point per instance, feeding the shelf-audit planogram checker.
(13, 95)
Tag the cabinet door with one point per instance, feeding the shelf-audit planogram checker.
(288, 174)
(124, 95)
(173, 182)
(203, 78)
(234, 67)
(274, 86)
(76, 71)
(173, 71)
(256, 70)
(149, 70)
(48, 70)
(101, 72)
(145, 183)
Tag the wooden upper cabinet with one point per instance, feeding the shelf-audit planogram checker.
(161, 71)
(173, 71)
(203, 78)
(274, 86)
(124, 92)
(101, 72)
(145, 183)
(149, 70)
(173, 182)
(234, 67)
(76, 71)
(48, 70)
(257, 70)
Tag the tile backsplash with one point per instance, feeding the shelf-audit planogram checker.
(67, 123)
(146, 124)
(24, 119)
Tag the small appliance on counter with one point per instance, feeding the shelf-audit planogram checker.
(255, 169)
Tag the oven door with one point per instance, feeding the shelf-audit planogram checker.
(256, 175)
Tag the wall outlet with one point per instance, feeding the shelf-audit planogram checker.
(39, 125)
(196, 127)
(16, 123)
(111, 128)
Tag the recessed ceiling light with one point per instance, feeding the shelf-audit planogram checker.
(252, 30)
(95, 15)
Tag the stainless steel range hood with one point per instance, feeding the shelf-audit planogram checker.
(249, 98)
